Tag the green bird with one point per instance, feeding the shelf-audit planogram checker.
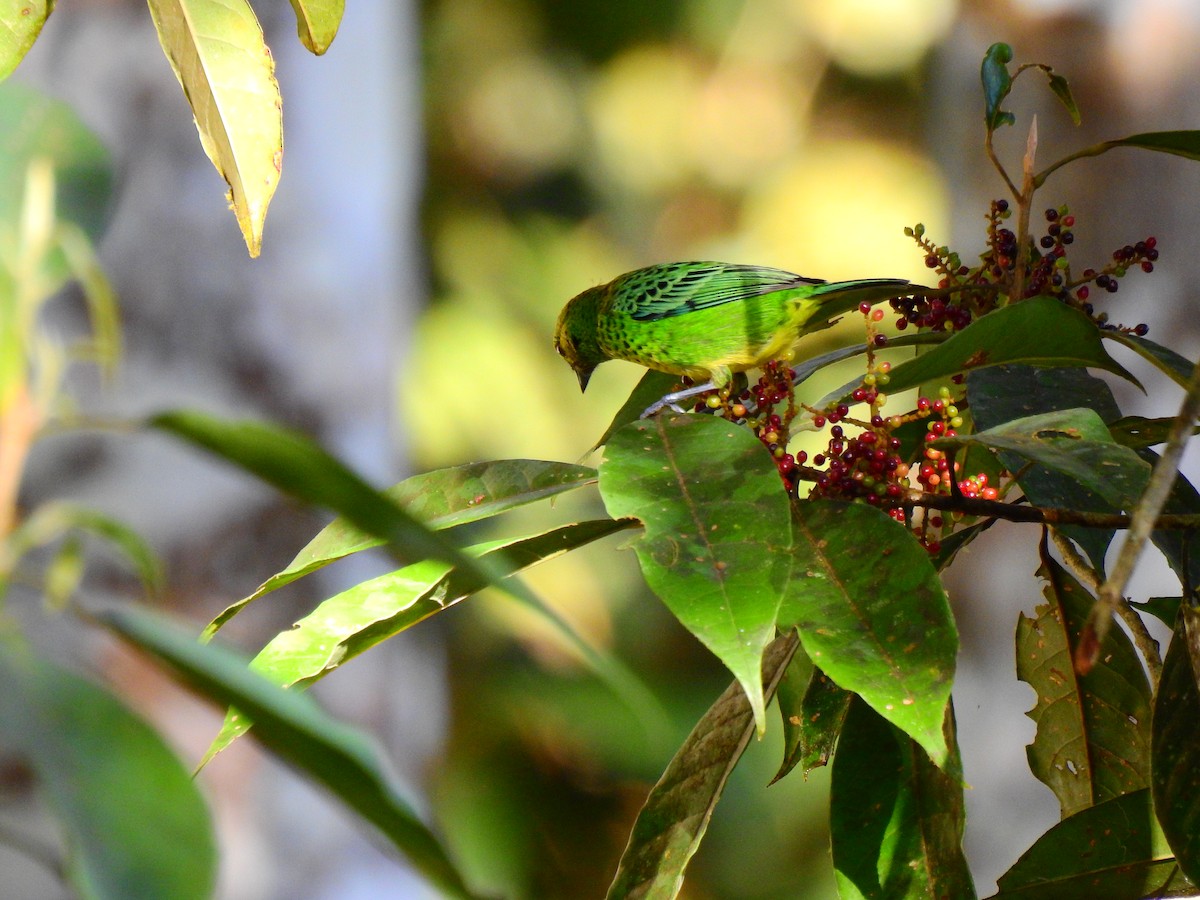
(705, 320)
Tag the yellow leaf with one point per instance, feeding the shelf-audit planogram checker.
(217, 51)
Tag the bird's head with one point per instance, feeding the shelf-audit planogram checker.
(575, 335)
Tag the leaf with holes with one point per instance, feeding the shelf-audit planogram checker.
(873, 615)
(718, 531)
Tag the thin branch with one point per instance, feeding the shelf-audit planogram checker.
(1162, 479)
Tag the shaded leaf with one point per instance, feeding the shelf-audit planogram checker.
(1115, 849)
(896, 819)
(217, 52)
(1165, 609)
(1093, 733)
(1004, 393)
(813, 709)
(1166, 360)
(1062, 90)
(1176, 754)
(134, 822)
(1178, 143)
(317, 22)
(352, 622)
(1036, 332)
(1072, 442)
(996, 84)
(1138, 432)
(650, 388)
(20, 25)
(440, 499)
(300, 734)
(673, 820)
(718, 529)
(873, 615)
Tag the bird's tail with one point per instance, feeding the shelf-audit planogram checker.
(837, 297)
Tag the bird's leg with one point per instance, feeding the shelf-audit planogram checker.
(672, 399)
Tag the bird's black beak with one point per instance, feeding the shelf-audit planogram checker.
(584, 376)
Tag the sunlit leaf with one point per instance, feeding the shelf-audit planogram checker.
(1037, 332)
(1113, 850)
(1093, 732)
(675, 816)
(20, 25)
(300, 734)
(372, 611)
(441, 499)
(1175, 760)
(217, 51)
(896, 819)
(873, 615)
(317, 22)
(135, 823)
(718, 531)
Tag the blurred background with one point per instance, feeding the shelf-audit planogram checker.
(454, 172)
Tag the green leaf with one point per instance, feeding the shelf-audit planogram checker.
(317, 22)
(813, 710)
(996, 85)
(873, 615)
(1115, 849)
(650, 388)
(1072, 442)
(718, 529)
(1001, 394)
(217, 52)
(33, 127)
(350, 623)
(673, 820)
(1170, 363)
(1175, 754)
(441, 499)
(134, 822)
(1093, 733)
(1036, 332)
(1062, 90)
(1178, 143)
(292, 463)
(20, 25)
(1165, 609)
(896, 819)
(300, 734)
(1138, 432)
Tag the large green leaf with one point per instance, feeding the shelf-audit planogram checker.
(300, 734)
(317, 22)
(217, 51)
(1112, 851)
(20, 25)
(673, 820)
(1093, 732)
(896, 819)
(1175, 760)
(134, 822)
(873, 615)
(1004, 393)
(718, 531)
(372, 611)
(1036, 332)
(440, 499)
(301, 468)
(1073, 442)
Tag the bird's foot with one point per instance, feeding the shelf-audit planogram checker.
(671, 400)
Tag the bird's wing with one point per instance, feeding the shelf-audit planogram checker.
(660, 292)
